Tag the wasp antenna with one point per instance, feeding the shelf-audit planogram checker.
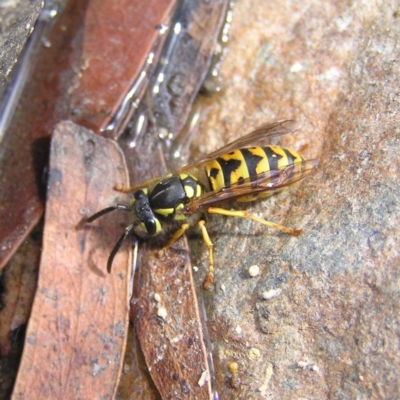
(117, 247)
(107, 210)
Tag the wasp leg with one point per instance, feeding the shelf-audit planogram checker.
(245, 214)
(148, 183)
(175, 237)
(210, 278)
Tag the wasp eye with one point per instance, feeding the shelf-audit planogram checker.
(151, 227)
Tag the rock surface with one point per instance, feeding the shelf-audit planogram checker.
(321, 320)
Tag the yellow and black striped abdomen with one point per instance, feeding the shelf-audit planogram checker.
(248, 163)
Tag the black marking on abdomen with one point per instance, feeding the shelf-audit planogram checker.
(252, 161)
(213, 173)
(289, 155)
(290, 162)
(228, 167)
(272, 157)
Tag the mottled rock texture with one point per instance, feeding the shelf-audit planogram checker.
(331, 328)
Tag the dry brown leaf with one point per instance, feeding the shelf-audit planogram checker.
(76, 335)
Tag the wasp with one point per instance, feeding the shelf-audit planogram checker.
(244, 170)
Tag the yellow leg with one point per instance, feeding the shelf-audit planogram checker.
(175, 236)
(123, 189)
(146, 184)
(245, 214)
(210, 278)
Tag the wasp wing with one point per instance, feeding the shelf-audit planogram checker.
(269, 182)
(260, 136)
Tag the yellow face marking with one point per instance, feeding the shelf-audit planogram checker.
(142, 228)
(158, 226)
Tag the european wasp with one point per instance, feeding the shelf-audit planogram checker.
(244, 170)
